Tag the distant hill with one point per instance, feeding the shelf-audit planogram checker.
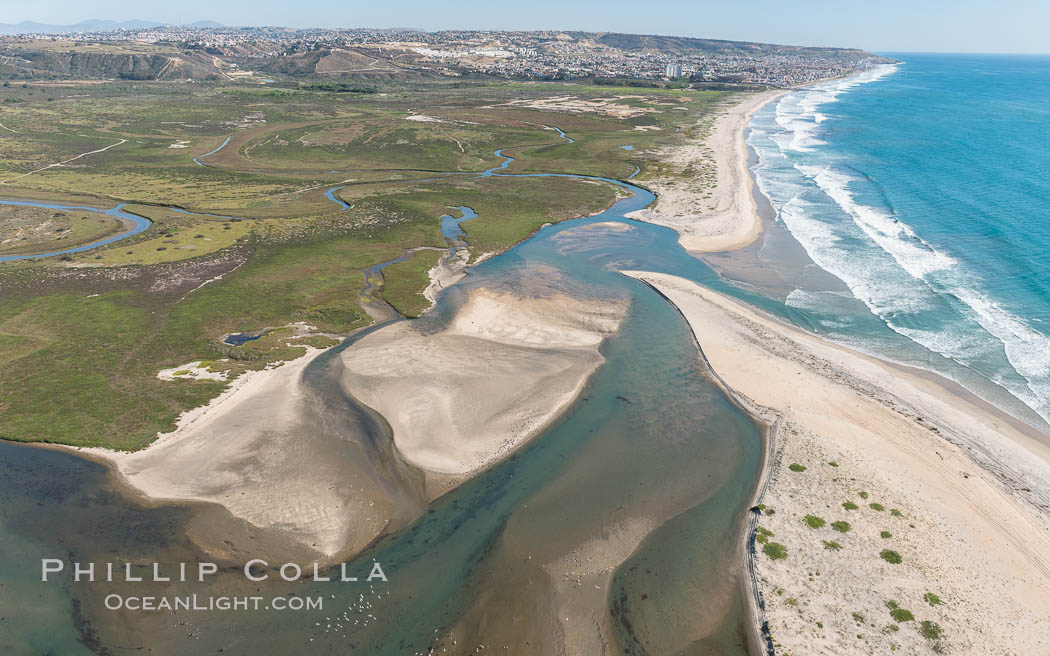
(95, 25)
(684, 45)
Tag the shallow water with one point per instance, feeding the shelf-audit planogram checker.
(653, 452)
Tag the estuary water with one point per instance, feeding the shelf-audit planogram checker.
(627, 512)
(923, 188)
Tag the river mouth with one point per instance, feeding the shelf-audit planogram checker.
(618, 528)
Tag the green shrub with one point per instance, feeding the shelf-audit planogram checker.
(832, 546)
(932, 599)
(896, 513)
(891, 556)
(833, 463)
(876, 506)
(762, 535)
(849, 505)
(795, 467)
(841, 527)
(813, 521)
(899, 614)
(930, 630)
(863, 495)
(775, 550)
(858, 618)
(886, 535)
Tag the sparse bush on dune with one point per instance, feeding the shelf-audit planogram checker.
(775, 550)
(891, 556)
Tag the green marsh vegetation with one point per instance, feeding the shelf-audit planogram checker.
(80, 348)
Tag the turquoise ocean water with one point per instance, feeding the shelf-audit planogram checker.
(925, 187)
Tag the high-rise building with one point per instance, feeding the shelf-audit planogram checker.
(674, 70)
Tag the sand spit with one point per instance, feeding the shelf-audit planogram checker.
(727, 218)
(505, 368)
(955, 489)
(251, 451)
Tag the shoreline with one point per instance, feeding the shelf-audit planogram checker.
(916, 440)
(728, 219)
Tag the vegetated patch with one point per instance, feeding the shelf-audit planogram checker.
(795, 467)
(899, 614)
(885, 535)
(858, 617)
(849, 505)
(762, 535)
(813, 521)
(891, 556)
(877, 507)
(896, 513)
(930, 630)
(404, 282)
(932, 599)
(775, 550)
(863, 495)
(841, 527)
(833, 463)
(832, 545)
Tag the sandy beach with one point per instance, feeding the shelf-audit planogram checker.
(507, 365)
(710, 217)
(952, 488)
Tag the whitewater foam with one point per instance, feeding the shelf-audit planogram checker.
(919, 291)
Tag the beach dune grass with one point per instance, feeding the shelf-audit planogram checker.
(775, 550)
(813, 521)
(891, 556)
(899, 614)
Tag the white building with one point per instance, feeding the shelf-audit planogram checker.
(674, 70)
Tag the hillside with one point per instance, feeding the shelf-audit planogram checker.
(683, 45)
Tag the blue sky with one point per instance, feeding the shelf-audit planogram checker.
(886, 25)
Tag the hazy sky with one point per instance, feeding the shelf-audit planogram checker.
(883, 25)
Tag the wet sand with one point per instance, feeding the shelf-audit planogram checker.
(294, 492)
(461, 399)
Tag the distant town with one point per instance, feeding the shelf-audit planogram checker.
(540, 55)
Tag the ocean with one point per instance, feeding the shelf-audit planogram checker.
(924, 187)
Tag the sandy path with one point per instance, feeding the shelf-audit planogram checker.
(976, 536)
(727, 218)
(66, 161)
